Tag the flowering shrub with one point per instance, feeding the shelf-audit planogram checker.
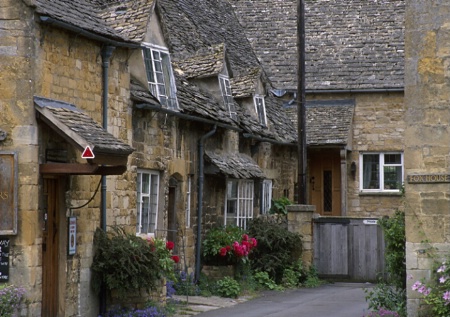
(10, 299)
(146, 312)
(125, 262)
(383, 313)
(228, 245)
(436, 293)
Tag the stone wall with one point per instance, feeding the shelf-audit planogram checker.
(17, 120)
(427, 137)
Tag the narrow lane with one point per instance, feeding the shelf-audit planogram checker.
(331, 300)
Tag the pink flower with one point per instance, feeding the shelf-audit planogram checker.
(446, 296)
(223, 251)
(228, 248)
(254, 242)
(442, 279)
(441, 269)
(176, 258)
(244, 237)
(424, 290)
(170, 245)
(416, 286)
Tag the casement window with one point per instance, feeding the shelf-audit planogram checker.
(147, 201)
(381, 172)
(239, 202)
(225, 89)
(188, 202)
(260, 108)
(160, 77)
(266, 196)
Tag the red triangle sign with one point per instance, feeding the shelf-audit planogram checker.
(87, 153)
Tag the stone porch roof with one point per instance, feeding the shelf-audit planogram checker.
(235, 165)
(78, 128)
(350, 44)
(329, 122)
(124, 20)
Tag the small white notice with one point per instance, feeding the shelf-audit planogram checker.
(370, 221)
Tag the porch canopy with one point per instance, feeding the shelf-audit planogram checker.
(235, 165)
(80, 130)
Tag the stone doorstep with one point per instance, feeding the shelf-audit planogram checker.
(199, 304)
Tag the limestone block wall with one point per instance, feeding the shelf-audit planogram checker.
(427, 137)
(17, 121)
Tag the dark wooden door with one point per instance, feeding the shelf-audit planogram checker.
(50, 247)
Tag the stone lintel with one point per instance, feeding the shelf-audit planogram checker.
(301, 208)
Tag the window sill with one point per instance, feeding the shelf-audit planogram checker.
(399, 193)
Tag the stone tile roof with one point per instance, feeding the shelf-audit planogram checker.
(79, 128)
(189, 26)
(204, 63)
(350, 44)
(235, 165)
(329, 122)
(118, 19)
(245, 85)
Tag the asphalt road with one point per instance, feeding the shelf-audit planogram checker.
(331, 300)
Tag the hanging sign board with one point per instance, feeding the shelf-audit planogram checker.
(72, 236)
(8, 193)
(4, 260)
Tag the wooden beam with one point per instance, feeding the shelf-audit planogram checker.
(80, 169)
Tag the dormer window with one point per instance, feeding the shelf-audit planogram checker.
(160, 76)
(260, 108)
(225, 88)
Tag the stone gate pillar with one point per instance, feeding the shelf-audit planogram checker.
(300, 221)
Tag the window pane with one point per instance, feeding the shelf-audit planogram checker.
(392, 159)
(371, 171)
(149, 65)
(392, 177)
(145, 215)
(145, 183)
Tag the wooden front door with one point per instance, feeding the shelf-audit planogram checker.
(50, 247)
(325, 181)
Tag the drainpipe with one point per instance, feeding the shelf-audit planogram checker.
(201, 177)
(106, 55)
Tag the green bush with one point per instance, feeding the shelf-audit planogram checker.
(277, 247)
(264, 280)
(395, 256)
(391, 296)
(228, 287)
(279, 206)
(123, 262)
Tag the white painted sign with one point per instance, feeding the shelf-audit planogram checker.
(72, 241)
(370, 221)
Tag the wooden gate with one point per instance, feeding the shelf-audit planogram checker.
(349, 248)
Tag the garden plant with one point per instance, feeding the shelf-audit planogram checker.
(11, 297)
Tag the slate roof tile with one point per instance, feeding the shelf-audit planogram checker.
(350, 44)
(245, 85)
(235, 165)
(117, 19)
(84, 128)
(204, 63)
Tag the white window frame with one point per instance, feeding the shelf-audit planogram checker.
(225, 89)
(241, 202)
(162, 85)
(266, 196)
(188, 201)
(260, 109)
(152, 195)
(381, 175)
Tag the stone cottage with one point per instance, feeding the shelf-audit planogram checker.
(354, 95)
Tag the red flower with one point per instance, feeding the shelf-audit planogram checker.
(228, 248)
(254, 242)
(176, 258)
(170, 245)
(223, 251)
(245, 237)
